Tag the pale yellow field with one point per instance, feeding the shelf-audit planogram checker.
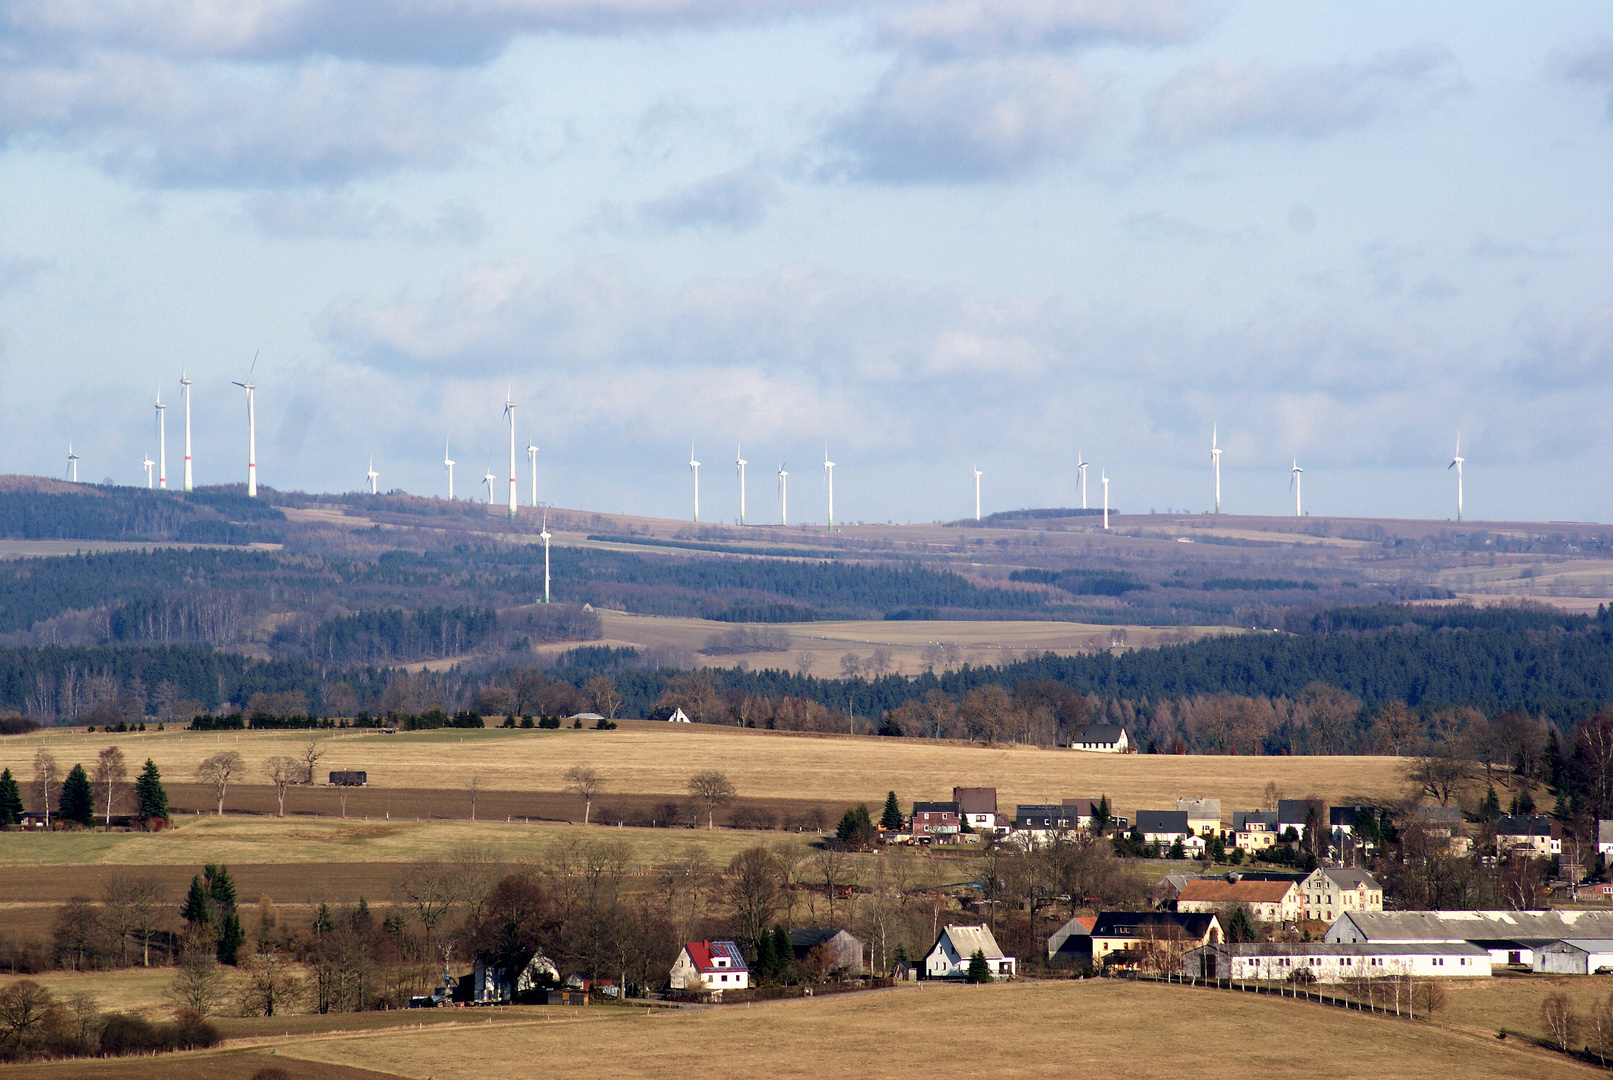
(136, 990)
(1029, 1030)
(643, 757)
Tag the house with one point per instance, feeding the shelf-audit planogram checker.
(1534, 834)
(949, 957)
(490, 982)
(710, 966)
(1101, 739)
(1085, 812)
(1511, 937)
(846, 949)
(1203, 815)
(1330, 891)
(1165, 827)
(935, 820)
(1439, 819)
(679, 717)
(1293, 813)
(1276, 961)
(1575, 956)
(1168, 888)
(1604, 837)
(1073, 941)
(1268, 901)
(977, 806)
(1254, 830)
(1124, 937)
(1040, 823)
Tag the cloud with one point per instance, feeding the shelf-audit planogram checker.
(1158, 225)
(970, 120)
(952, 27)
(306, 215)
(734, 201)
(18, 274)
(1219, 100)
(1593, 64)
(323, 122)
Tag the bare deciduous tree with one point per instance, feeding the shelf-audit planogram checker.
(714, 789)
(198, 985)
(604, 695)
(218, 771)
(754, 883)
(312, 751)
(432, 888)
(47, 781)
(270, 985)
(130, 908)
(583, 780)
(110, 773)
(1557, 1016)
(282, 773)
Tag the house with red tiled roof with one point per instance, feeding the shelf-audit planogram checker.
(1269, 901)
(710, 966)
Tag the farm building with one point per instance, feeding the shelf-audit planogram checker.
(349, 778)
(1511, 937)
(847, 949)
(949, 957)
(490, 982)
(1268, 901)
(1273, 961)
(1123, 937)
(1072, 942)
(1101, 739)
(1575, 956)
(1330, 891)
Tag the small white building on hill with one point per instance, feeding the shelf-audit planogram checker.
(1275, 962)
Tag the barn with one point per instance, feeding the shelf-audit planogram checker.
(349, 778)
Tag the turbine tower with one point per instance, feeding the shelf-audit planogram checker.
(532, 459)
(783, 492)
(489, 480)
(1293, 485)
(148, 463)
(1456, 463)
(184, 385)
(448, 463)
(740, 463)
(1105, 500)
(977, 492)
(694, 468)
(1081, 467)
(829, 478)
(251, 431)
(72, 463)
(1215, 462)
(544, 536)
(373, 475)
(509, 412)
(162, 442)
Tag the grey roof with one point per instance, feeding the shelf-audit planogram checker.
(1586, 945)
(1097, 733)
(975, 800)
(1162, 821)
(1240, 819)
(1326, 948)
(1531, 825)
(810, 937)
(1293, 811)
(1350, 879)
(1129, 923)
(1604, 832)
(967, 939)
(1442, 815)
(935, 808)
(1473, 925)
(1200, 808)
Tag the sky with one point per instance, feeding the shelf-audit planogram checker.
(928, 237)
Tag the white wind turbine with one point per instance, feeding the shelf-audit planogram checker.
(373, 476)
(148, 463)
(448, 463)
(509, 412)
(532, 459)
(740, 463)
(783, 501)
(544, 536)
(1215, 462)
(251, 431)
(977, 492)
(72, 463)
(489, 480)
(829, 478)
(1081, 467)
(1456, 463)
(1294, 485)
(1105, 499)
(184, 385)
(162, 442)
(694, 469)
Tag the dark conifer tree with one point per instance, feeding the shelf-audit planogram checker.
(219, 885)
(979, 968)
(230, 939)
(11, 808)
(78, 800)
(198, 907)
(1490, 806)
(892, 817)
(783, 955)
(149, 794)
(765, 963)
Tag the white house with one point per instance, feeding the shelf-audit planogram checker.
(1268, 901)
(491, 983)
(1275, 961)
(1165, 827)
(977, 806)
(1534, 833)
(949, 957)
(712, 966)
(1101, 739)
(1575, 956)
(679, 717)
(1510, 937)
(1330, 891)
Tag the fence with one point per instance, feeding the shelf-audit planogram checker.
(1402, 1003)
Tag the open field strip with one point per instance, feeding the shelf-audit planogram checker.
(649, 758)
(1095, 1027)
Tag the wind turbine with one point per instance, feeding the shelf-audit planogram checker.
(251, 431)
(740, 463)
(1293, 485)
(72, 463)
(1456, 463)
(532, 459)
(162, 442)
(1215, 462)
(1081, 467)
(509, 412)
(694, 468)
(544, 536)
(489, 480)
(1105, 475)
(148, 463)
(829, 478)
(448, 463)
(184, 385)
(977, 492)
(373, 475)
(783, 492)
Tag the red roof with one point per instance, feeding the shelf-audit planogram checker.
(704, 954)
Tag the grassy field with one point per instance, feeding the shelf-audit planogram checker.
(643, 758)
